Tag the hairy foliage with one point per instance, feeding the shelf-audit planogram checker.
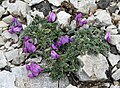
(89, 41)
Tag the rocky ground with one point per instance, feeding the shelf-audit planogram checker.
(98, 71)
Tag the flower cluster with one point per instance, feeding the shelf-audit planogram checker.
(63, 40)
(34, 68)
(15, 27)
(79, 20)
(29, 47)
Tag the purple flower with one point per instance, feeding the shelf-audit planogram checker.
(34, 68)
(29, 47)
(54, 55)
(52, 17)
(65, 39)
(54, 46)
(107, 37)
(81, 23)
(15, 27)
(78, 17)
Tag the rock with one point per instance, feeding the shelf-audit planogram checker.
(2, 11)
(84, 6)
(6, 35)
(118, 47)
(113, 49)
(19, 59)
(115, 39)
(71, 86)
(73, 24)
(118, 5)
(3, 24)
(27, 1)
(7, 44)
(33, 2)
(103, 4)
(112, 29)
(37, 13)
(83, 75)
(1, 41)
(3, 61)
(103, 17)
(63, 18)
(116, 17)
(112, 9)
(29, 19)
(63, 82)
(8, 19)
(19, 8)
(22, 81)
(44, 7)
(116, 75)
(7, 80)
(56, 3)
(10, 55)
(94, 66)
(113, 58)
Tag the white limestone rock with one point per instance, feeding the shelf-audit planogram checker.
(19, 8)
(112, 29)
(113, 58)
(36, 12)
(3, 61)
(63, 17)
(8, 19)
(2, 11)
(116, 75)
(33, 2)
(103, 17)
(6, 35)
(3, 24)
(56, 2)
(10, 55)
(1, 41)
(71, 86)
(7, 80)
(115, 39)
(94, 66)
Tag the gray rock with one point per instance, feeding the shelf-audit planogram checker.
(118, 47)
(29, 19)
(115, 39)
(3, 24)
(94, 66)
(7, 80)
(63, 18)
(118, 5)
(56, 3)
(63, 82)
(6, 35)
(115, 17)
(7, 44)
(116, 75)
(103, 17)
(44, 7)
(112, 29)
(71, 86)
(1, 41)
(3, 61)
(22, 81)
(19, 8)
(103, 4)
(10, 55)
(8, 19)
(113, 58)
(73, 24)
(2, 10)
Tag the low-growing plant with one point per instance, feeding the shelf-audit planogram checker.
(90, 41)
